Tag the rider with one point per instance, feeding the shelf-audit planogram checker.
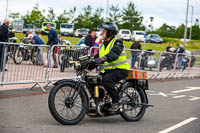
(115, 64)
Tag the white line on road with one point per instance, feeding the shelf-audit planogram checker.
(185, 90)
(178, 125)
(161, 94)
(194, 98)
(179, 96)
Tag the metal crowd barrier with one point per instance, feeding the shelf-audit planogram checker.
(30, 63)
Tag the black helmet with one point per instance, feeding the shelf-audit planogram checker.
(111, 28)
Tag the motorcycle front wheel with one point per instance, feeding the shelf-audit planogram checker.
(133, 100)
(67, 105)
(18, 55)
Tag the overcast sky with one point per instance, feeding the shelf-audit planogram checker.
(171, 12)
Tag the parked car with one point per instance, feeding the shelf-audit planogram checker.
(66, 29)
(124, 34)
(154, 38)
(44, 28)
(29, 27)
(138, 35)
(82, 32)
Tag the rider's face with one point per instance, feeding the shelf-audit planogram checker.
(104, 34)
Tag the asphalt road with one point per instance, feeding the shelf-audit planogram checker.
(176, 110)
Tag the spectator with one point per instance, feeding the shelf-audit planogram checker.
(37, 40)
(52, 40)
(135, 46)
(60, 39)
(3, 38)
(81, 41)
(90, 39)
(181, 51)
(168, 47)
(98, 42)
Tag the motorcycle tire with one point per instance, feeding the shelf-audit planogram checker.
(62, 66)
(138, 96)
(19, 52)
(35, 52)
(63, 93)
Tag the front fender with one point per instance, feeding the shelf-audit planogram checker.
(64, 80)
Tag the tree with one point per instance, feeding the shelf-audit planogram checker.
(166, 31)
(114, 14)
(83, 20)
(179, 31)
(35, 17)
(97, 19)
(62, 18)
(72, 15)
(131, 18)
(51, 15)
(14, 16)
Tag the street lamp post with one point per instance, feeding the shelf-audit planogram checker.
(186, 21)
(191, 23)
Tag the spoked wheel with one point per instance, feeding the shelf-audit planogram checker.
(133, 103)
(18, 55)
(35, 52)
(66, 104)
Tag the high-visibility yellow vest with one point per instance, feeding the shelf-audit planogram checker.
(120, 63)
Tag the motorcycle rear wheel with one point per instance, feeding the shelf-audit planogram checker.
(133, 110)
(61, 106)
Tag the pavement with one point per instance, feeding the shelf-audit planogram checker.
(176, 110)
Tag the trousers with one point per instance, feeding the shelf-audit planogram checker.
(110, 78)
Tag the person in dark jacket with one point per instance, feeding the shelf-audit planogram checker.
(90, 39)
(115, 66)
(38, 41)
(52, 40)
(3, 38)
(169, 47)
(181, 54)
(135, 47)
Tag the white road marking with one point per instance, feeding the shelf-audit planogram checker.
(178, 125)
(194, 98)
(185, 90)
(180, 96)
(150, 91)
(161, 94)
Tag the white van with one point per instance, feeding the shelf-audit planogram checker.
(138, 35)
(124, 34)
(66, 29)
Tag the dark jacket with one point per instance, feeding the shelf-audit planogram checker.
(180, 50)
(167, 48)
(3, 33)
(37, 40)
(136, 45)
(88, 41)
(52, 37)
(115, 51)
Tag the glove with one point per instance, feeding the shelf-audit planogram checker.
(92, 65)
(99, 60)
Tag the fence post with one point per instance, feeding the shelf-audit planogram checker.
(49, 54)
(5, 48)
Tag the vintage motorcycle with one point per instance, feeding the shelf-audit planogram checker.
(25, 53)
(147, 60)
(71, 99)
